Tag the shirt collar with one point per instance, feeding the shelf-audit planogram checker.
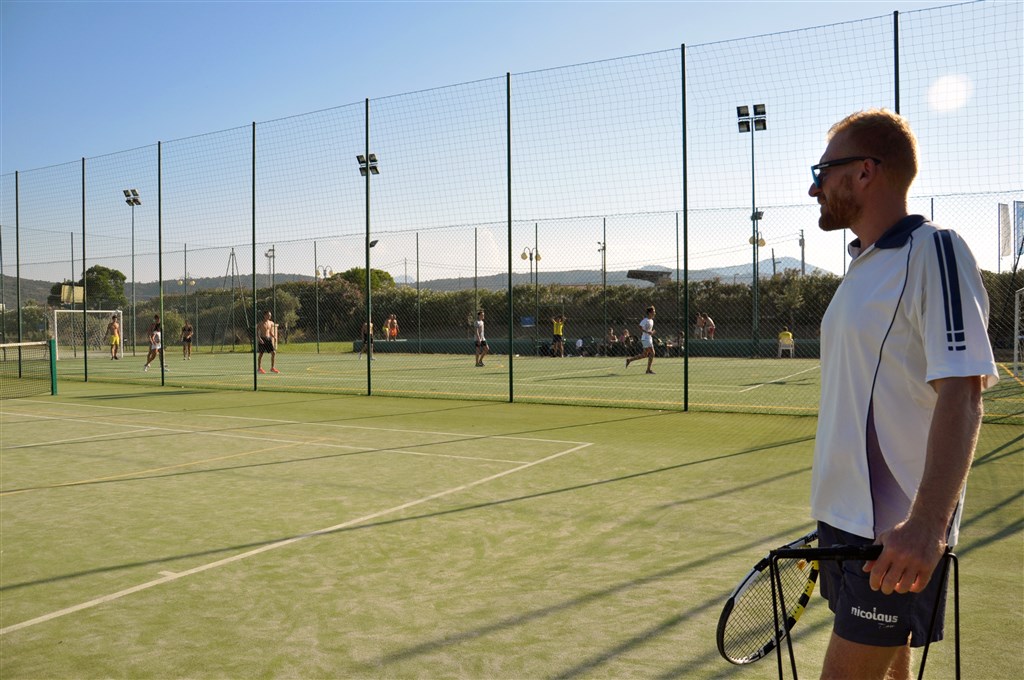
(895, 236)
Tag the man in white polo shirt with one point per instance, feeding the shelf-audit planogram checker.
(905, 356)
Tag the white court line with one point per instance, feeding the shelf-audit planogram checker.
(113, 408)
(395, 429)
(548, 376)
(307, 423)
(171, 576)
(305, 442)
(785, 377)
(77, 439)
(73, 419)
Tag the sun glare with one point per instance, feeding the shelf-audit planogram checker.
(950, 93)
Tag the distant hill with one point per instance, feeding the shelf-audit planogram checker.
(37, 291)
(31, 291)
(583, 277)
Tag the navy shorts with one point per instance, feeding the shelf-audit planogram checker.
(869, 617)
(266, 345)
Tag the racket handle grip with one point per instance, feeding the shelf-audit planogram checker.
(835, 552)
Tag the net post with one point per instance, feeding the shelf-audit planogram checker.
(52, 347)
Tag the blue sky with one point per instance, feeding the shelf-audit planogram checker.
(593, 141)
(91, 78)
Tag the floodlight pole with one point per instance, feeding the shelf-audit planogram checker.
(748, 120)
(131, 197)
(367, 167)
(531, 254)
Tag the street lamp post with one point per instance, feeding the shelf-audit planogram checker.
(271, 255)
(322, 272)
(532, 254)
(753, 122)
(131, 197)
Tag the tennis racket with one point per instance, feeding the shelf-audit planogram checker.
(746, 628)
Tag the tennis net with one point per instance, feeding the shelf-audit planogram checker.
(27, 369)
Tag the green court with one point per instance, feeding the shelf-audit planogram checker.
(168, 532)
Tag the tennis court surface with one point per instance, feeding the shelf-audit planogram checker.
(151, 532)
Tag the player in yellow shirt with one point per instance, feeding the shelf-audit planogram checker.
(558, 336)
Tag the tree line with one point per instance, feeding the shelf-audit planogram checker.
(333, 309)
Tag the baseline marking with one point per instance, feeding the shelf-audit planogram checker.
(785, 377)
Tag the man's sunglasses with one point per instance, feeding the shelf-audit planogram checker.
(816, 170)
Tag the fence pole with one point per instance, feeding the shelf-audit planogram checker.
(508, 162)
(160, 251)
(686, 238)
(85, 288)
(255, 312)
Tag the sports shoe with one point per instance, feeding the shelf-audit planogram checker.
(261, 372)
(145, 368)
(650, 372)
(274, 370)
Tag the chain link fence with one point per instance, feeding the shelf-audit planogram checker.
(571, 198)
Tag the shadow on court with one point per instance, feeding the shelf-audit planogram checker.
(442, 513)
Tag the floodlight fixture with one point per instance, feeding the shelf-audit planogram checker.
(743, 125)
(757, 215)
(368, 166)
(760, 124)
(127, 193)
(759, 110)
(373, 243)
(743, 112)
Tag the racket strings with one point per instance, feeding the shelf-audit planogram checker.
(751, 624)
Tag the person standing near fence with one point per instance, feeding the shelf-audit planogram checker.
(699, 327)
(709, 327)
(481, 339)
(558, 336)
(268, 343)
(905, 356)
(646, 340)
(186, 341)
(367, 346)
(114, 333)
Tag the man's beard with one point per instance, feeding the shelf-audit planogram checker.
(840, 210)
